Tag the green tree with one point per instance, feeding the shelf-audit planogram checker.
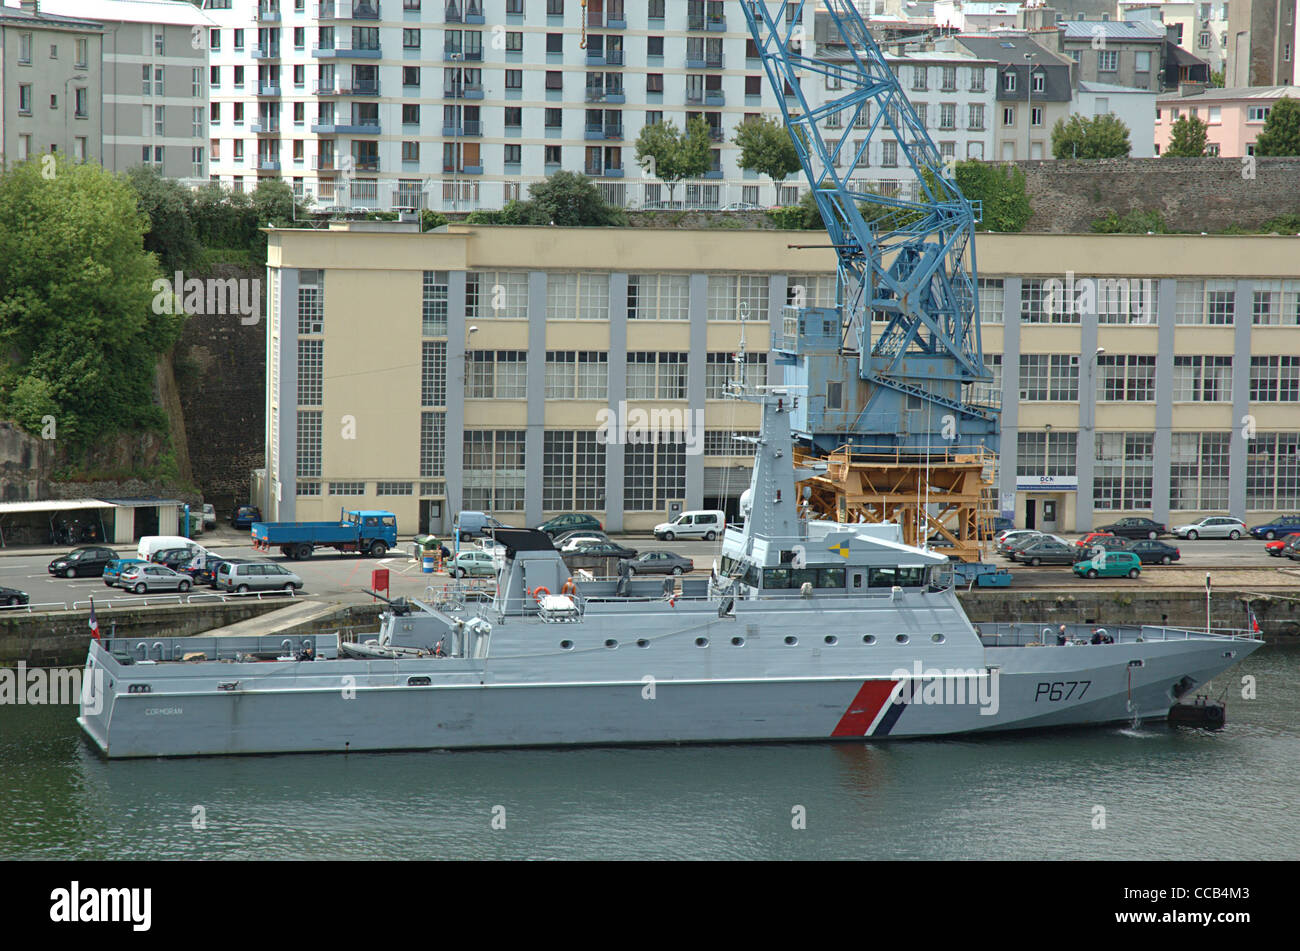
(571, 199)
(168, 206)
(1102, 136)
(1216, 79)
(1000, 189)
(670, 155)
(1187, 138)
(805, 216)
(76, 288)
(766, 147)
(1281, 135)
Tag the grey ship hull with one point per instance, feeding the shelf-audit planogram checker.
(353, 705)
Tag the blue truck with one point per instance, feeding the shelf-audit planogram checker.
(368, 532)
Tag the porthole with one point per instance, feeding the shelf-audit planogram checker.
(566, 645)
(831, 640)
(868, 638)
(642, 642)
(611, 643)
(701, 642)
(791, 640)
(937, 638)
(901, 638)
(737, 642)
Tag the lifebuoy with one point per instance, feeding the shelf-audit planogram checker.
(569, 587)
(538, 592)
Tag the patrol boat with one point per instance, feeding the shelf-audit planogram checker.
(806, 630)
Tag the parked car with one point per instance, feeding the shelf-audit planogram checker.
(1020, 544)
(1278, 546)
(742, 206)
(472, 524)
(113, 570)
(209, 516)
(1282, 525)
(1292, 549)
(1046, 552)
(660, 563)
(1087, 541)
(244, 516)
(174, 558)
(604, 550)
(474, 564)
(1136, 528)
(706, 524)
(567, 537)
(12, 597)
(568, 523)
(1008, 540)
(1115, 564)
(245, 576)
(86, 562)
(1213, 526)
(147, 577)
(1106, 543)
(206, 572)
(150, 545)
(1152, 552)
(580, 540)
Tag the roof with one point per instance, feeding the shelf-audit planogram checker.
(1180, 57)
(1266, 93)
(162, 12)
(1008, 48)
(142, 502)
(988, 9)
(53, 505)
(10, 11)
(1138, 30)
(1088, 86)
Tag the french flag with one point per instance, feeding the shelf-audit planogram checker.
(94, 621)
(1254, 621)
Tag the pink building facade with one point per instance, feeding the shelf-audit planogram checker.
(1235, 116)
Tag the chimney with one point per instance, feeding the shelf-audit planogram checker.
(31, 6)
(1191, 89)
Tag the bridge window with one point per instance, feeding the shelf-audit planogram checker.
(889, 577)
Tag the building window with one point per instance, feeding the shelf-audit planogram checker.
(581, 375)
(1276, 303)
(494, 470)
(347, 488)
(1205, 302)
(502, 294)
(1198, 471)
(738, 297)
(25, 48)
(311, 302)
(496, 375)
(720, 370)
(410, 39)
(434, 304)
(658, 297)
(82, 53)
(308, 488)
(977, 79)
(1126, 378)
(583, 296)
(433, 373)
(1039, 82)
(810, 290)
(1202, 379)
(1275, 379)
(311, 372)
(1123, 471)
(1273, 471)
(433, 445)
(309, 444)
(394, 488)
(1009, 82)
(654, 472)
(992, 299)
(989, 393)
(514, 42)
(652, 375)
(1049, 377)
(1046, 453)
(729, 442)
(1107, 61)
(975, 117)
(573, 471)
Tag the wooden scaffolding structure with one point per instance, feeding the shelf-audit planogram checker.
(951, 494)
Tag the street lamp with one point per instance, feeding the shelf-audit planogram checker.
(1029, 116)
(1092, 367)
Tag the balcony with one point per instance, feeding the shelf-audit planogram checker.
(594, 133)
(472, 127)
(714, 62)
(449, 131)
(613, 57)
(268, 165)
(716, 134)
(266, 52)
(464, 170)
(267, 14)
(265, 127)
(716, 23)
(365, 10)
(323, 163)
(614, 97)
(695, 23)
(463, 91)
(268, 89)
(323, 128)
(341, 51)
(365, 165)
(363, 128)
(715, 97)
(364, 87)
(329, 87)
(595, 58)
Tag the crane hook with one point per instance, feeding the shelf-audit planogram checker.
(582, 43)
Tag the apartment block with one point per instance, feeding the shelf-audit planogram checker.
(461, 104)
(1235, 117)
(1126, 385)
(1261, 43)
(1034, 87)
(50, 75)
(154, 86)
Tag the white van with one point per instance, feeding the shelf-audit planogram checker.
(706, 524)
(152, 544)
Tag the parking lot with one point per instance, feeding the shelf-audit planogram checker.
(344, 577)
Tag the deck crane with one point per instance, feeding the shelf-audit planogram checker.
(892, 371)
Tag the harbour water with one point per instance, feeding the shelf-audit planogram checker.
(1162, 793)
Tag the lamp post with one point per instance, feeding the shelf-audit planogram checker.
(1092, 366)
(1029, 113)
